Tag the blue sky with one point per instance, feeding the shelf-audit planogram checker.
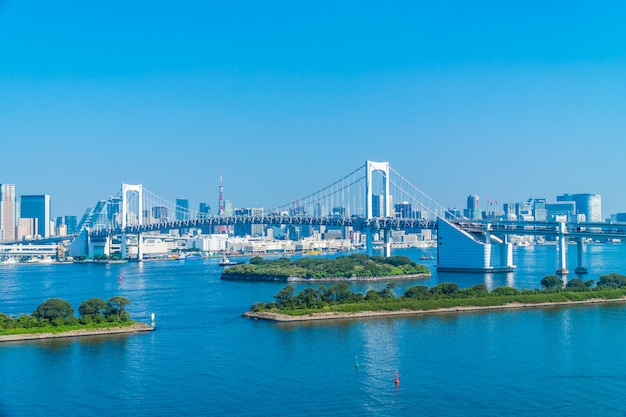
(507, 99)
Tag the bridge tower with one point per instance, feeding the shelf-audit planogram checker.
(138, 189)
(386, 212)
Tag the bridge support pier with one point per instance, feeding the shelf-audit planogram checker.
(139, 248)
(580, 269)
(562, 269)
(387, 242)
(123, 249)
(369, 242)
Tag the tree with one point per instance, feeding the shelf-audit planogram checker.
(504, 291)
(551, 282)
(93, 307)
(117, 306)
(372, 295)
(576, 284)
(54, 308)
(417, 292)
(612, 281)
(387, 292)
(284, 298)
(445, 288)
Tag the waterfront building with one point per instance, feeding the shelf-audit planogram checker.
(8, 219)
(589, 205)
(37, 207)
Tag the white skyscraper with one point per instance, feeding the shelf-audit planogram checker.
(7, 212)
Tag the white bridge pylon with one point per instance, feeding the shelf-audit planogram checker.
(126, 189)
(371, 168)
(386, 212)
(129, 188)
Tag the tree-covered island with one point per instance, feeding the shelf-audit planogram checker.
(338, 301)
(55, 318)
(356, 267)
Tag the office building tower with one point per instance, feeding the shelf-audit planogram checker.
(182, 209)
(404, 210)
(159, 214)
(71, 222)
(8, 219)
(473, 211)
(378, 206)
(37, 207)
(540, 212)
(587, 205)
(204, 210)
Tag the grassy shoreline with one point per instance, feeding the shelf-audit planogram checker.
(335, 315)
(402, 306)
(51, 332)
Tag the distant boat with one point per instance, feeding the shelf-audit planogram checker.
(427, 257)
(227, 262)
(8, 261)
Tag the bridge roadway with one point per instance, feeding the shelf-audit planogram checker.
(358, 223)
(571, 230)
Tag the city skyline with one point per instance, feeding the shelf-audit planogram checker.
(505, 101)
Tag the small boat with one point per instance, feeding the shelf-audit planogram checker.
(227, 262)
(426, 257)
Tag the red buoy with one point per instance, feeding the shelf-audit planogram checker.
(397, 379)
(120, 277)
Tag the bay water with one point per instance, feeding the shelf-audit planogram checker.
(204, 359)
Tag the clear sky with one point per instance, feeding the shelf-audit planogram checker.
(507, 99)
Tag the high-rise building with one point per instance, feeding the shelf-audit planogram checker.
(561, 210)
(71, 224)
(182, 209)
(473, 211)
(249, 229)
(7, 212)
(378, 205)
(159, 214)
(540, 212)
(37, 207)
(404, 210)
(205, 210)
(587, 205)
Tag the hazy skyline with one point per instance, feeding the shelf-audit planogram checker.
(507, 100)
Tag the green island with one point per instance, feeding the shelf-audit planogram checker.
(356, 267)
(338, 301)
(55, 318)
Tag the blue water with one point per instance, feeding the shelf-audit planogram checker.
(204, 359)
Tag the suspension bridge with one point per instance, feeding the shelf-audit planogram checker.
(373, 199)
